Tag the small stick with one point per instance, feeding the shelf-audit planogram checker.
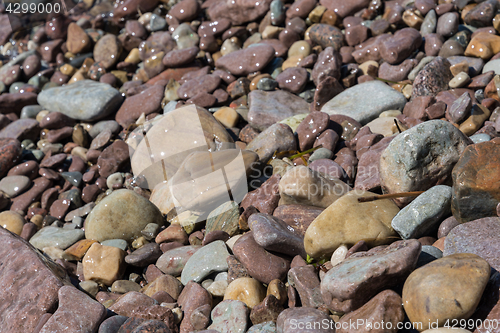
(390, 196)
(397, 125)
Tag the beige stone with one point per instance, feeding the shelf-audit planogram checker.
(103, 264)
(77, 251)
(383, 125)
(12, 221)
(230, 45)
(278, 289)
(300, 48)
(133, 57)
(338, 255)
(271, 32)
(291, 62)
(316, 14)
(412, 19)
(294, 121)
(348, 221)
(460, 67)
(445, 289)
(166, 283)
(122, 214)
(67, 69)
(247, 290)
(479, 115)
(484, 45)
(227, 116)
(301, 185)
(78, 76)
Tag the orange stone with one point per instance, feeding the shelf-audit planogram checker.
(77, 251)
(484, 45)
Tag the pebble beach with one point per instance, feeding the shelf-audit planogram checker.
(260, 166)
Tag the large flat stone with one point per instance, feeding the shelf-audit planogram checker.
(83, 100)
(365, 102)
(30, 284)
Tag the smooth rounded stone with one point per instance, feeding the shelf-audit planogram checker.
(104, 125)
(265, 198)
(76, 310)
(83, 100)
(461, 108)
(400, 46)
(350, 284)
(147, 102)
(254, 59)
(12, 221)
(327, 65)
(446, 226)
(118, 243)
(166, 283)
(10, 151)
(112, 324)
(483, 45)
(293, 79)
(252, 255)
(144, 256)
(21, 129)
(366, 101)
(397, 72)
(477, 237)
(267, 108)
(429, 24)
(306, 281)
(424, 61)
(310, 128)
(275, 138)
(368, 172)
(206, 83)
(173, 233)
(447, 24)
(386, 307)
(492, 65)
(30, 111)
(266, 327)
(177, 58)
(478, 138)
(247, 290)
(475, 194)
(223, 218)
(326, 36)
(481, 15)
(59, 237)
(78, 41)
(141, 307)
(451, 48)
(304, 320)
(103, 264)
(433, 78)
(14, 185)
(172, 262)
(107, 50)
(275, 235)
(321, 153)
(105, 221)
(421, 157)
(207, 260)
(301, 185)
(421, 217)
(347, 221)
(445, 289)
(298, 217)
(230, 316)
